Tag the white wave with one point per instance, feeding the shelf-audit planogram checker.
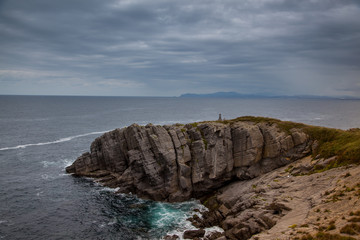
(47, 164)
(107, 189)
(184, 223)
(53, 142)
(211, 230)
(62, 163)
(39, 194)
(188, 226)
(63, 175)
(47, 176)
(112, 222)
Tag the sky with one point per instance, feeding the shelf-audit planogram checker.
(167, 48)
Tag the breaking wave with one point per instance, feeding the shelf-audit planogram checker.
(52, 142)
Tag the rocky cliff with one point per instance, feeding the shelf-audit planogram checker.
(179, 162)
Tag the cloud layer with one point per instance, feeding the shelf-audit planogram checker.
(165, 48)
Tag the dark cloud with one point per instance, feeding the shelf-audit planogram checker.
(138, 47)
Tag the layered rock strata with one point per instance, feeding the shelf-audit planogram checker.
(179, 162)
(288, 203)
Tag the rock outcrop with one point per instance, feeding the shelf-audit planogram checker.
(288, 203)
(179, 162)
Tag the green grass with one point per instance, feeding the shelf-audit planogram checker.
(283, 125)
(335, 142)
(289, 168)
(205, 143)
(331, 142)
(293, 226)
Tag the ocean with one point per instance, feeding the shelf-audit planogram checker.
(41, 135)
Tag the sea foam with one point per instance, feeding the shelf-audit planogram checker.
(66, 139)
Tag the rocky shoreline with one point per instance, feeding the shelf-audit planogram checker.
(287, 203)
(228, 165)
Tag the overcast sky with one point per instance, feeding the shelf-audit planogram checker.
(166, 48)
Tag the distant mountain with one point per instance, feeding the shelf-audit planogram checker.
(239, 95)
(219, 95)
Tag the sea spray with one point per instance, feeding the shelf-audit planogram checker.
(148, 219)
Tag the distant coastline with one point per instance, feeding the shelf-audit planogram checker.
(240, 95)
(200, 95)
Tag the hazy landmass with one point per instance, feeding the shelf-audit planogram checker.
(241, 95)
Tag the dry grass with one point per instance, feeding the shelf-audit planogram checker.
(326, 236)
(351, 229)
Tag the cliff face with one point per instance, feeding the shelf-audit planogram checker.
(177, 162)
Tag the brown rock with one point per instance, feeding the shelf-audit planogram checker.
(171, 237)
(248, 144)
(191, 234)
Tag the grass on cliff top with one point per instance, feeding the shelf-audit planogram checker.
(331, 142)
(283, 125)
(335, 142)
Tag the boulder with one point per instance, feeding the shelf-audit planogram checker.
(191, 234)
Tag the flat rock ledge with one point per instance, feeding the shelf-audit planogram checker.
(288, 203)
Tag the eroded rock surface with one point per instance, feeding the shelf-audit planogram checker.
(284, 204)
(178, 162)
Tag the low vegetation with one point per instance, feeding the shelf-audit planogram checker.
(331, 142)
(351, 229)
(211, 203)
(357, 213)
(325, 236)
(335, 142)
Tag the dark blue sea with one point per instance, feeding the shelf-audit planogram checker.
(41, 135)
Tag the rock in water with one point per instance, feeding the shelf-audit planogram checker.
(178, 162)
(190, 234)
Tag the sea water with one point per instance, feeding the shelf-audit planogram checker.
(41, 135)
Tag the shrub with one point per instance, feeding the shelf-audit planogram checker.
(351, 229)
(357, 213)
(331, 227)
(354, 219)
(326, 236)
(293, 226)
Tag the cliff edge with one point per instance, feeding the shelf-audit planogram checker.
(260, 178)
(179, 162)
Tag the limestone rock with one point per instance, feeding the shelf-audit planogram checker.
(177, 162)
(248, 144)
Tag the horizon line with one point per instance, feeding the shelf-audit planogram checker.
(196, 95)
